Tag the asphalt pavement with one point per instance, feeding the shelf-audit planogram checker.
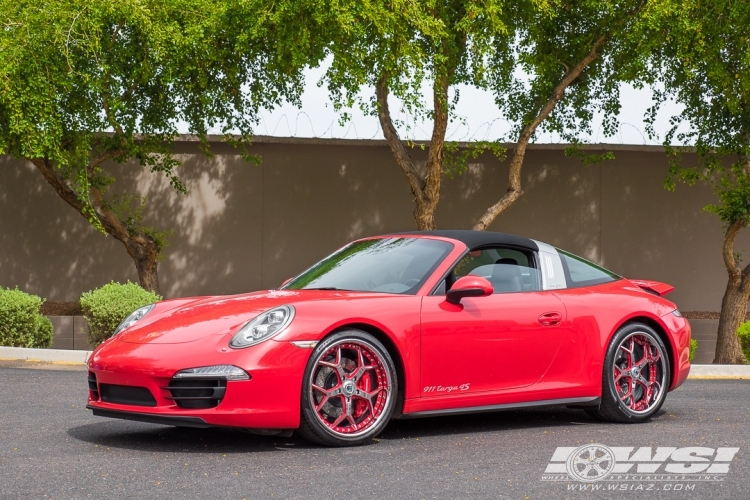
(52, 447)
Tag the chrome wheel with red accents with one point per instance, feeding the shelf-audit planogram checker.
(636, 375)
(349, 390)
(638, 372)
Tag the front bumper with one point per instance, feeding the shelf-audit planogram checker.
(195, 422)
(269, 400)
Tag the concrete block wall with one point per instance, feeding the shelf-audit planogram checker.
(70, 332)
(705, 332)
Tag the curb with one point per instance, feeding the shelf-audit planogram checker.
(738, 372)
(46, 355)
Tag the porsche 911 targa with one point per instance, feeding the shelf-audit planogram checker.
(400, 326)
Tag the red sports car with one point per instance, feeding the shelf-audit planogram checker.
(400, 326)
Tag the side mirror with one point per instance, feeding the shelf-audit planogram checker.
(469, 286)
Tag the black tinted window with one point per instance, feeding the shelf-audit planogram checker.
(390, 265)
(580, 272)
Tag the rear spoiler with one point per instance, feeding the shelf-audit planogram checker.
(655, 287)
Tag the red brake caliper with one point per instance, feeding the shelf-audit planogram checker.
(364, 384)
(628, 392)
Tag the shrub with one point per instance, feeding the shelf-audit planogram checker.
(106, 307)
(21, 324)
(693, 347)
(743, 332)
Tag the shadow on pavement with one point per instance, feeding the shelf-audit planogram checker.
(163, 439)
(487, 422)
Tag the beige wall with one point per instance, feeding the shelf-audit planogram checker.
(244, 227)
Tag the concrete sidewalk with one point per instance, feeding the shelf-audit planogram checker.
(65, 356)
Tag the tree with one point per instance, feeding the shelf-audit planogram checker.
(705, 66)
(551, 64)
(395, 48)
(572, 56)
(84, 83)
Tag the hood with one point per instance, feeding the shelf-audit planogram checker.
(192, 320)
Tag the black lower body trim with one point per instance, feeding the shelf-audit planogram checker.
(151, 418)
(588, 402)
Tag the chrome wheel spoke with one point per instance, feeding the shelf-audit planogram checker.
(362, 368)
(349, 387)
(639, 372)
(327, 395)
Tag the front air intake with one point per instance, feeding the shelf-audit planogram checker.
(92, 386)
(126, 395)
(197, 393)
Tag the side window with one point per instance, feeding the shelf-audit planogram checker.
(580, 272)
(508, 270)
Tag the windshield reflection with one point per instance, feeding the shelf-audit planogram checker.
(388, 265)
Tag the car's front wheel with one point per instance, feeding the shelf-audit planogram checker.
(635, 378)
(349, 390)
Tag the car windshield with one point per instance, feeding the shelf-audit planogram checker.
(389, 265)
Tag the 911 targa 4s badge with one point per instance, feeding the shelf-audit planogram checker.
(400, 326)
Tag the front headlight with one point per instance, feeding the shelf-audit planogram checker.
(677, 313)
(263, 327)
(134, 318)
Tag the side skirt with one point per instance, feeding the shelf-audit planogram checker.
(576, 402)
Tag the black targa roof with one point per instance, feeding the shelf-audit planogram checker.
(477, 239)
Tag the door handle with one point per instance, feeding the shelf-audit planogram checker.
(550, 319)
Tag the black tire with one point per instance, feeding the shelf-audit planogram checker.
(319, 425)
(643, 403)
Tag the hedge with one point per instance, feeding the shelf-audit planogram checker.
(693, 347)
(21, 324)
(743, 332)
(106, 307)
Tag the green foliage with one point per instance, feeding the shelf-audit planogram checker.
(693, 348)
(129, 209)
(705, 66)
(743, 332)
(21, 324)
(519, 50)
(457, 155)
(106, 307)
(576, 150)
(551, 41)
(87, 81)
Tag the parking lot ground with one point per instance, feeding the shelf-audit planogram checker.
(52, 447)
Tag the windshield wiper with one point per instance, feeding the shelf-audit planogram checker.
(329, 288)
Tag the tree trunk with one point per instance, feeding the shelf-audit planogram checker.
(425, 186)
(141, 248)
(424, 216)
(734, 303)
(733, 310)
(514, 190)
(145, 254)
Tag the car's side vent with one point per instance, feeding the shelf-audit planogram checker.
(127, 395)
(92, 386)
(197, 394)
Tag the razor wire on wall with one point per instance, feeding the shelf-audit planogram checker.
(460, 130)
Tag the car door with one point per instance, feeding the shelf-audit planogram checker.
(503, 341)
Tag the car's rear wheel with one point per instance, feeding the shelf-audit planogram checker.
(349, 390)
(635, 378)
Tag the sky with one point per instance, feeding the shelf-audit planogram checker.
(481, 118)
